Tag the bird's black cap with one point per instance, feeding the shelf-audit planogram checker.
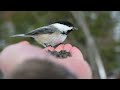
(65, 23)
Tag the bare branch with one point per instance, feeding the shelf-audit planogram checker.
(92, 48)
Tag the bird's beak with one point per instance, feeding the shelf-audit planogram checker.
(75, 28)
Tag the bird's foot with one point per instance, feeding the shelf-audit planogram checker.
(57, 45)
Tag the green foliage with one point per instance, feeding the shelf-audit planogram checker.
(109, 56)
(79, 36)
(102, 25)
(101, 28)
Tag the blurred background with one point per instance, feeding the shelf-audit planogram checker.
(98, 36)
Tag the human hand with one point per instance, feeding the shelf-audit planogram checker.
(15, 54)
(76, 63)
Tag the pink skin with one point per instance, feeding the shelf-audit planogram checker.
(15, 54)
(76, 64)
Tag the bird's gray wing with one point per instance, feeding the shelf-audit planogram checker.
(42, 30)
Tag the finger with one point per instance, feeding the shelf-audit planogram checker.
(24, 43)
(49, 48)
(68, 47)
(59, 48)
(75, 52)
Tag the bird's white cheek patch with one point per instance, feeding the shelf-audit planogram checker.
(62, 28)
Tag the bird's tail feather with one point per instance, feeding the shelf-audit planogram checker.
(20, 35)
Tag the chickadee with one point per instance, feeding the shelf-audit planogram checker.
(50, 35)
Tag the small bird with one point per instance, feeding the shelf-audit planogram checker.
(50, 35)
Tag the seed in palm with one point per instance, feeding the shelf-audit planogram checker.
(61, 54)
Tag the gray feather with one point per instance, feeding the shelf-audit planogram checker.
(43, 30)
(20, 35)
